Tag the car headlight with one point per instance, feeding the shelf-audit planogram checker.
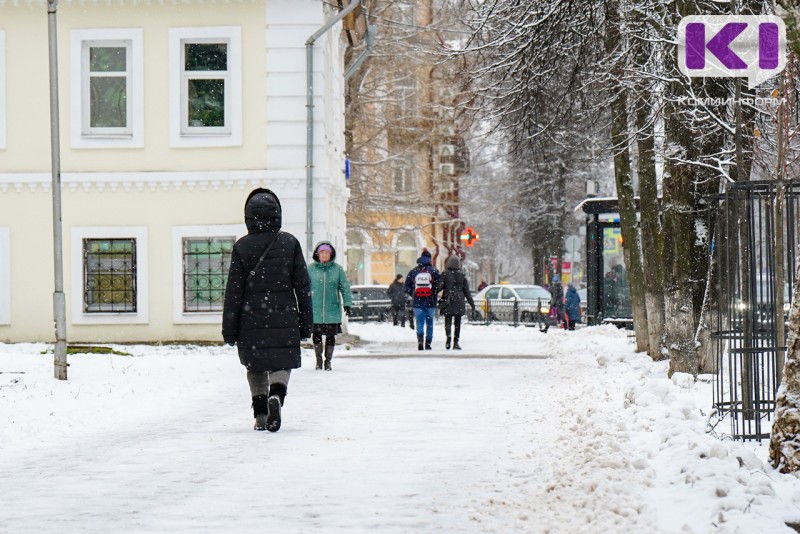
(545, 310)
(741, 306)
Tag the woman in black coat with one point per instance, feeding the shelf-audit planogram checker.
(267, 308)
(455, 289)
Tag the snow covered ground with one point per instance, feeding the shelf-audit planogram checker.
(519, 432)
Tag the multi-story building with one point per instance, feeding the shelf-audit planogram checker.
(407, 153)
(171, 112)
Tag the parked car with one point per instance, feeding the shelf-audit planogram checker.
(500, 302)
(370, 303)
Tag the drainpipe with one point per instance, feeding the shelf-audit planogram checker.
(370, 38)
(310, 121)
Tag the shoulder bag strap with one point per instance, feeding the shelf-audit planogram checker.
(263, 255)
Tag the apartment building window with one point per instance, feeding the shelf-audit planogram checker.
(201, 257)
(109, 275)
(107, 85)
(206, 91)
(405, 12)
(206, 262)
(405, 95)
(403, 178)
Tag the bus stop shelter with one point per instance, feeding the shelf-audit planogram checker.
(608, 297)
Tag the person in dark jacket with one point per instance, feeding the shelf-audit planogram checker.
(455, 290)
(397, 293)
(330, 290)
(557, 300)
(422, 284)
(573, 307)
(267, 308)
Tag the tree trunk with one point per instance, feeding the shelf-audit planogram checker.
(784, 445)
(624, 181)
(652, 238)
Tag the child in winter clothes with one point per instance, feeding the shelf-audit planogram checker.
(423, 283)
(267, 309)
(329, 290)
(455, 289)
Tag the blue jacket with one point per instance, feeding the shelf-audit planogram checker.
(573, 304)
(424, 262)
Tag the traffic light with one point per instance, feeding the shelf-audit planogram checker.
(469, 236)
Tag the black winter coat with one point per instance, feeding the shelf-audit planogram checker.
(268, 314)
(455, 289)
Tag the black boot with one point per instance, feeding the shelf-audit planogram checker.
(456, 346)
(447, 343)
(260, 411)
(328, 355)
(428, 344)
(277, 393)
(318, 354)
(420, 346)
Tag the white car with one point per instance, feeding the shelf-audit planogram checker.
(512, 302)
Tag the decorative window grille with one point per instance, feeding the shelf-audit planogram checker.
(109, 281)
(205, 87)
(107, 81)
(205, 272)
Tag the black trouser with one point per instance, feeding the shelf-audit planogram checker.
(455, 320)
(330, 341)
(399, 314)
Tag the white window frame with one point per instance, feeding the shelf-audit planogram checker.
(2, 89)
(406, 175)
(181, 134)
(81, 135)
(5, 276)
(179, 233)
(139, 234)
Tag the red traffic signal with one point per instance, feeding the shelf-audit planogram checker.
(469, 236)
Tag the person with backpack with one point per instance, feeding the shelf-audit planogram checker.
(455, 290)
(267, 309)
(422, 284)
(330, 291)
(397, 294)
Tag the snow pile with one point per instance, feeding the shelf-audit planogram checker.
(519, 432)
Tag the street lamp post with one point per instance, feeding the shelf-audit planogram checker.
(59, 304)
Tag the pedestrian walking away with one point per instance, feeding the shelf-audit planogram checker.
(267, 309)
(557, 300)
(572, 306)
(330, 291)
(397, 294)
(422, 284)
(455, 291)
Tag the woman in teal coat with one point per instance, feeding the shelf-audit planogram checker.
(329, 291)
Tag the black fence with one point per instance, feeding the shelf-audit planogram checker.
(749, 321)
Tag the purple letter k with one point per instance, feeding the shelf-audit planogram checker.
(719, 45)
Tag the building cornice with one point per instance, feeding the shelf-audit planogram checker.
(146, 181)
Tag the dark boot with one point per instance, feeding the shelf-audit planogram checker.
(318, 354)
(328, 355)
(447, 343)
(260, 411)
(277, 393)
(456, 346)
(428, 344)
(420, 346)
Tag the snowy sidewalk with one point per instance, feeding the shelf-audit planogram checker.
(591, 439)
